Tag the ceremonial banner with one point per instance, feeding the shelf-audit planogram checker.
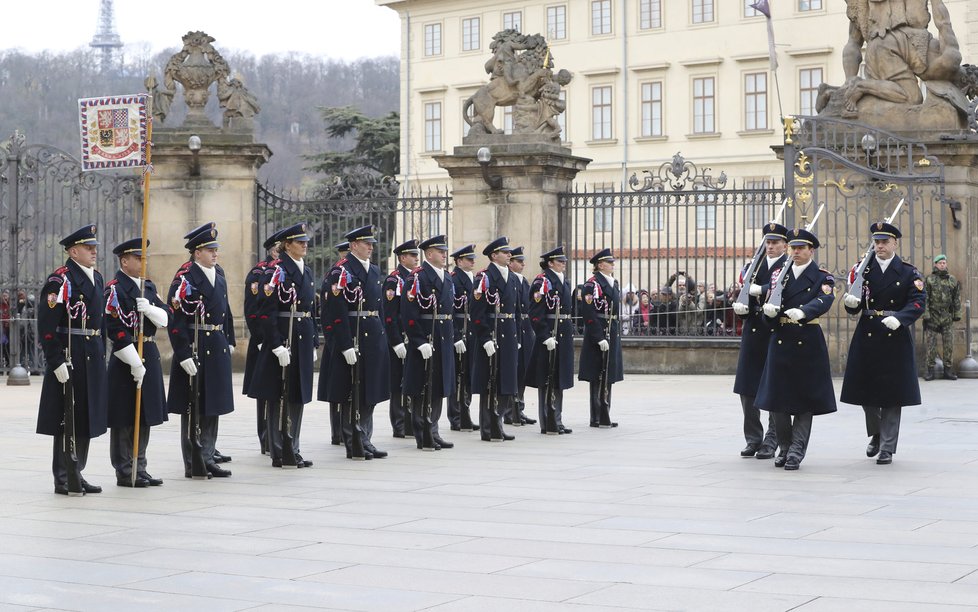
(113, 131)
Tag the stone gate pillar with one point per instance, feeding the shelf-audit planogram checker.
(533, 172)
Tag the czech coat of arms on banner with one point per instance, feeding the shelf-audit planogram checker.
(113, 131)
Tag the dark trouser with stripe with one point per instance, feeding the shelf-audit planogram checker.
(120, 449)
(794, 432)
(294, 410)
(208, 439)
(558, 408)
(57, 464)
(754, 429)
(600, 408)
(884, 421)
(335, 423)
(458, 411)
(262, 424)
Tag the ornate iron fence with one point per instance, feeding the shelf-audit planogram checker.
(333, 210)
(680, 235)
(44, 195)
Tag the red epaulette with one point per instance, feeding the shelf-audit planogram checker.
(60, 271)
(274, 262)
(341, 262)
(416, 270)
(112, 282)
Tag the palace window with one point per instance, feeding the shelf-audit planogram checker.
(702, 11)
(432, 39)
(652, 109)
(557, 22)
(513, 21)
(704, 106)
(601, 113)
(600, 17)
(808, 81)
(649, 14)
(470, 34)
(755, 101)
(432, 126)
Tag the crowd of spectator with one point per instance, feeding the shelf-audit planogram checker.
(17, 324)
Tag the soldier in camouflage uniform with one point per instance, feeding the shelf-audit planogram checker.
(943, 309)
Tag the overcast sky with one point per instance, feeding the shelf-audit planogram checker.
(344, 29)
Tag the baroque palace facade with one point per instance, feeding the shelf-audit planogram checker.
(651, 77)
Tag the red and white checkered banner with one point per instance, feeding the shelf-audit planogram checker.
(113, 131)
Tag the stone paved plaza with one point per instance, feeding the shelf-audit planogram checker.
(658, 514)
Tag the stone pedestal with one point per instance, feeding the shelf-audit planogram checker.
(215, 184)
(533, 171)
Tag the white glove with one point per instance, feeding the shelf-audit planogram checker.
(740, 309)
(350, 355)
(891, 322)
(259, 346)
(157, 315)
(550, 343)
(231, 349)
(770, 310)
(315, 355)
(604, 346)
(851, 301)
(189, 366)
(400, 350)
(282, 354)
(795, 314)
(61, 373)
(138, 374)
(142, 305)
(460, 347)
(490, 348)
(426, 350)
(755, 290)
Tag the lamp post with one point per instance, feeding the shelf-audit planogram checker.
(193, 143)
(18, 375)
(484, 155)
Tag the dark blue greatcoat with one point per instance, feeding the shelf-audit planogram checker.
(346, 283)
(393, 289)
(549, 297)
(213, 357)
(601, 308)
(485, 295)
(419, 303)
(797, 377)
(122, 328)
(88, 378)
(276, 299)
(252, 290)
(464, 330)
(882, 368)
(757, 334)
(526, 331)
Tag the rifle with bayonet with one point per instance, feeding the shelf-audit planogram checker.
(198, 468)
(778, 289)
(550, 408)
(356, 443)
(462, 372)
(859, 279)
(69, 448)
(287, 457)
(492, 394)
(744, 296)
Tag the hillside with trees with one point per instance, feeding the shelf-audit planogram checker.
(39, 93)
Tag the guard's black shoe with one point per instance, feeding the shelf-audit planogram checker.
(765, 452)
(88, 487)
(506, 436)
(153, 482)
(188, 474)
(398, 434)
(126, 481)
(507, 421)
(528, 421)
(219, 457)
(749, 451)
(218, 472)
(886, 458)
(793, 463)
(565, 430)
(444, 443)
(336, 442)
(780, 460)
(949, 374)
(62, 489)
(367, 455)
(456, 428)
(594, 425)
(300, 462)
(873, 447)
(377, 453)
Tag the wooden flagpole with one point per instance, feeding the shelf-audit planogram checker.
(147, 170)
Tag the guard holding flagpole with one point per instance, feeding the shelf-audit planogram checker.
(125, 302)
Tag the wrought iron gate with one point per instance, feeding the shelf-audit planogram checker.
(44, 195)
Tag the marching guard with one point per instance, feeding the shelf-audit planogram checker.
(495, 308)
(283, 373)
(125, 303)
(551, 368)
(72, 407)
(515, 415)
(797, 382)
(202, 336)
(755, 341)
(426, 310)
(253, 287)
(358, 371)
(335, 411)
(601, 363)
(460, 400)
(881, 371)
(407, 260)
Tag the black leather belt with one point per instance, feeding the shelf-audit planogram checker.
(207, 327)
(436, 317)
(297, 315)
(363, 313)
(78, 331)
(559, 317)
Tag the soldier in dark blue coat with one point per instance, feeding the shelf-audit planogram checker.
(71, 334)
(426, 310)
(461, 397)
(253, 288)
(354, 329)
(203, 327)
(407, 260)
(797, 382)
(514, 414)
(124, 303)
(601, 363)
(552, 364)
(335, 411)
(495, 311)
(881, 372)
(288, 296)
(754, 342)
